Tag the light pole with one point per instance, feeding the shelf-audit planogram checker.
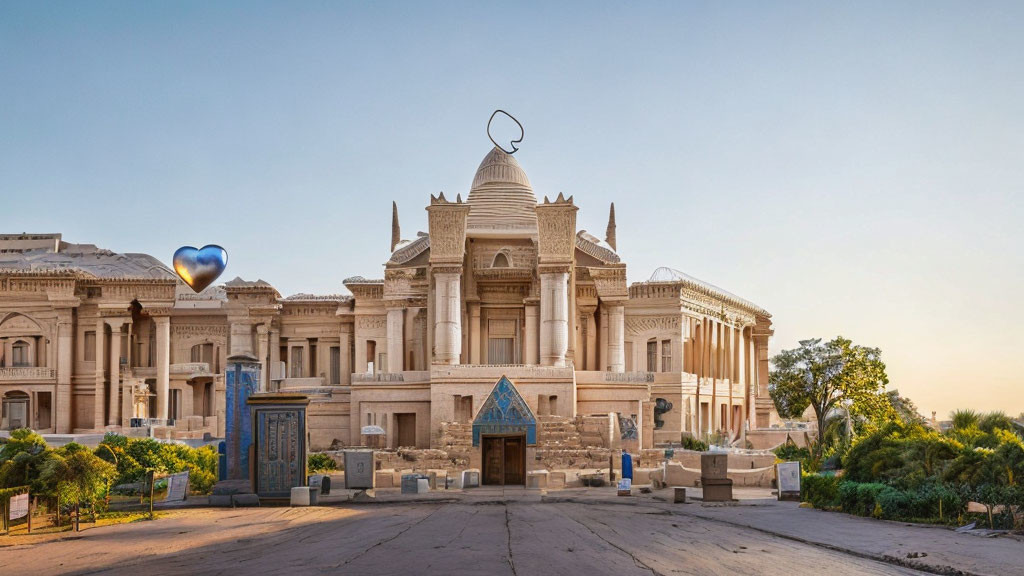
(109, 481)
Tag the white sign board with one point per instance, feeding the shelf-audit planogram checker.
(788, 474)
(19, 506)
(177, 487)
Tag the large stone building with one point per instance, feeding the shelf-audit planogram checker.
(501, 285)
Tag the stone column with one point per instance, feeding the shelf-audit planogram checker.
(554, 318)
(307, 360)
(591, 329)
(65, 341)
(531, 336)
(448, 318)
(263, 346)
(616, 339)
(474, 333)
(345, 343)
(163, 365)
(100, 392)
(114, 413)
(396, 339)
(275, 354)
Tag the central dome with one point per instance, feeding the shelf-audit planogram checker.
(501, 199)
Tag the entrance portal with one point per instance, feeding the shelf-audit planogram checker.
(14, 411)
(504, 460)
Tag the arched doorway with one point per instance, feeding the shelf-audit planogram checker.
(14, 411)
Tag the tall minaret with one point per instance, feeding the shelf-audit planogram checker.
(396, 230)
(609, 235)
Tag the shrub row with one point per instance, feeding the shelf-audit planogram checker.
(929, 502)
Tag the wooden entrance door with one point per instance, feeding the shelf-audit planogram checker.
(504, 460)
(406, 425)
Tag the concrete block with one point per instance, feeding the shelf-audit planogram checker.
(422, 485)
(245, 500)
(679, 495)
(300, 496)
(556, 479)
(385, 479)
(717, 489)
(469, 479)
(538, 479)
(223, 500)
(714, 465)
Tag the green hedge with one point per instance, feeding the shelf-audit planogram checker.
(882, 500)
(821, 491)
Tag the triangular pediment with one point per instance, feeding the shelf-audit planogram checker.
(505, 412)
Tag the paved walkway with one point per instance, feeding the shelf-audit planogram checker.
(487, 539)
(494, 530)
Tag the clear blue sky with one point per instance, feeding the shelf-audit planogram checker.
(854, 169)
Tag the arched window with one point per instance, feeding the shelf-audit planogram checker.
(19, 354)
(501, 261)
(203, 353)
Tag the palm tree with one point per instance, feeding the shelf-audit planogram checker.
(963, 419)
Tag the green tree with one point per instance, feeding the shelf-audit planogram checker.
(820, 375)
(77, 474)
(21, 440)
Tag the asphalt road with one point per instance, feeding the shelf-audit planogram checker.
(490, 539)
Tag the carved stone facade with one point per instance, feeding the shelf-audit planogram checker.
(500, 285)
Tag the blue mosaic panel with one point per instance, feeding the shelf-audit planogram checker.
(241, 381)
(505, 412)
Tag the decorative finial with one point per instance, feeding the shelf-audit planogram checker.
(396, 230)
(514, 142)
(609, 234)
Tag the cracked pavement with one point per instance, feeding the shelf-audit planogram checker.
(445, 538)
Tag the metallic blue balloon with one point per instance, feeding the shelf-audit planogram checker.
(200, 267)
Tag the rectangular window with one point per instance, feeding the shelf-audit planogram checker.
(652, 356)
(174, 409)
(501, 351)
(90, 346)
(20, 355)
(666, 355)
(296, 371)
(335, 365)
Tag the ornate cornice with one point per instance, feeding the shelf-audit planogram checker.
(447, 221)
(411, 250)
(556, 228)
(588, 246)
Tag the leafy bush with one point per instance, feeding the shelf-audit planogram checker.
(319, 462)
(789, 452)
(691, 443)
(821, 491)
(136, 456)
(21, 440)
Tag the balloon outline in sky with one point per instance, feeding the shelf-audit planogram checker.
(522, 133)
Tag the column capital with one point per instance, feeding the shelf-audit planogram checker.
(447, 269)
(115, 323)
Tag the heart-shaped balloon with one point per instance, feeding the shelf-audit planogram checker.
(200, 267)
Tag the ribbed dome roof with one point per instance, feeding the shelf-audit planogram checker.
(501, 197)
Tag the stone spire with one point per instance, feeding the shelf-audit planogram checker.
(609, 235)
(396, 231)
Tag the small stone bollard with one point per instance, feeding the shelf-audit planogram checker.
(300, 496)
(679, 497)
